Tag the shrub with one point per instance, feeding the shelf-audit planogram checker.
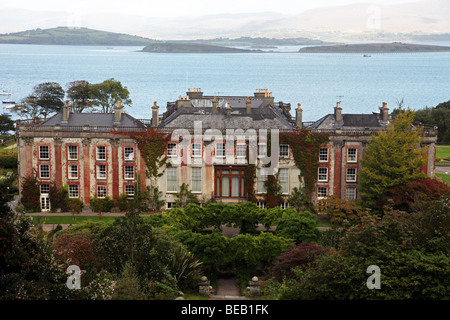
(296, 256)
(301, 227)
(8, 162)
(31, 194)
(339, 210)
(101, 204)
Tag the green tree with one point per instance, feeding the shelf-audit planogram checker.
(301, 227)
(50, 97)
(106, 94)
(79, 92)
(30, 194)
(6, 124)
(28, 108)
(392, 158)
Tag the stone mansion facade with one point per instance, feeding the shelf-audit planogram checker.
(82, 151)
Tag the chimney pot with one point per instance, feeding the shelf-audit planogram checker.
(155, 116)
(118, 109)
(338, 112)
(298, 116)
(384, 112)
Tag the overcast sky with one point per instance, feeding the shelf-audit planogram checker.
(174, 8)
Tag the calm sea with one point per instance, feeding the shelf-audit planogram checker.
(316, 81)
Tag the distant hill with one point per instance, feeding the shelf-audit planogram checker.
(73, 36)
(374, 48)
(179, 47)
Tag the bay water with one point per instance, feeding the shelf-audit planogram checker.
(316, 80)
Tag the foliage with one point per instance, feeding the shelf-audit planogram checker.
(271, 217)
(101, 204)
(339, 210)
(301, 227)
(8, 162)
(154, 199)
(391, 159)
(272, 197)
(305, 146)
(184, 197)
(128, 287)
(185, 268)
(152, 145)
(296, 256)
(27, 268)
(438, 116)
(59, 198)
(416, 194)
(245, 216)
(106, 94)
(249, 180)
(6, 124)
(30, 194)
(299, 201)
(79, 92)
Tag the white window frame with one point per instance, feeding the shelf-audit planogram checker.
(172, 149)
(71, 152)
(46, 189)
(128, 173)
(284, 151)
(323, 157)
(347, 175)
(241, 150)
(354, 157)
(74, 189)
(129, 190)
(71, 171)
(103, 193)
(320, 193)
(102, 174)
(283, 180)
(196, 149)
(262, 149)
(222, 150)
(99, 153)
(128, 154)
(197, 178)
(261, 178)
(321, 174)
(172, 178)
(43, 152)
(353, 195)
(47, 175)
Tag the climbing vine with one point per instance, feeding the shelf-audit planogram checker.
(152, 144)
(305, 146)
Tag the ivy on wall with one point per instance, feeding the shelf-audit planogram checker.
(152, 144)
(305, 146)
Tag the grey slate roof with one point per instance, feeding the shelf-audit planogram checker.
(260, 118)
(350, 121)
(93, 119)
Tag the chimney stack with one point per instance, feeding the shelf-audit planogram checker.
(214, 105)
(228, 110)
(118, 109)
(298, 117)
(195, 93)
(249, 106)
(384, 112)
(155, 116)
(338, 112)
(66, 112)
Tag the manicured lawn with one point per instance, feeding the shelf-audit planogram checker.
(68, 219)
(443, 152)
(445, 177)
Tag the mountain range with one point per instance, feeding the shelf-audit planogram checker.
(350, 22)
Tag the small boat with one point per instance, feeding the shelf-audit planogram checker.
(7, 100)
(367, 56)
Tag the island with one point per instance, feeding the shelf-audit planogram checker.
(73, 36)
(394, 47)
(179, 47)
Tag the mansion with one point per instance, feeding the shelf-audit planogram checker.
(208, 149)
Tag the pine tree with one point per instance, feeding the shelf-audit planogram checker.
(392, 158)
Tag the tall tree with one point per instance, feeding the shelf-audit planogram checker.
(50, 97)
(28, 108)
(6, 124)
(392, 158)
(79, 92)
(105, 95)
